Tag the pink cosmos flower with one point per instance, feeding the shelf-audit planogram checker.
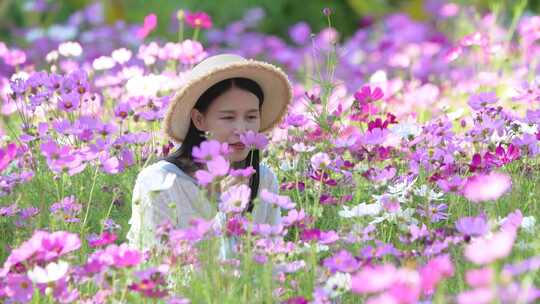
(479, 277)
(482, 295)
(209, 149)
(434, 271)
(367, 95)
(485, 250)
(235, 199)
(199, 20)
(282, 201)
(7, 154)
(105, 238)
(42, 246)
(149, 25)
(254, 140)
(373, 279)
(217, 167)
(293, 217)
(192, 52)
(485, 187)
(247, 172)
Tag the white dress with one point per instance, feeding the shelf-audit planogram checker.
(163, 191)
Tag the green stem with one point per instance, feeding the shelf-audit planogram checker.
(90, 198)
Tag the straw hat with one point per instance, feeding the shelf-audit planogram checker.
(272, 80)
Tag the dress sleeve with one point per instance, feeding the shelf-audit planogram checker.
(270, 182)
(158, 196)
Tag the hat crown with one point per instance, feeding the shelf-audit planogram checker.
(213, 62)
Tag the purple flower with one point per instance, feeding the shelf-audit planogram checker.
(254, 140)
(235, 199)
(481, 100)
(296, 120)
(434, 212)
(19, 288)
(472, 226)
(123, 256)
(10, 210)
(67, 209)
(69, 102)
(300, 33)
(453, 184)
(342, 261)
(293, 217)
(376, 136)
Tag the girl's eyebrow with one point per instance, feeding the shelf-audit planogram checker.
(233, 111)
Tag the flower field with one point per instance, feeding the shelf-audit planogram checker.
(408, 162)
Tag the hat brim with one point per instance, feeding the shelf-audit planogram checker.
(274, 83)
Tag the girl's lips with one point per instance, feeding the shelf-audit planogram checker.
(238, 146)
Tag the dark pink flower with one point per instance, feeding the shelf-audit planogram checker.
(199, 20)
(104, 239)
(150, 23)
(367, 95)
(7, 154)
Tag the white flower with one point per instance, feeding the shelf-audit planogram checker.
(338, 284)
(103, 63)
(52, 56)
(405, 129)
(456, 114)
(70, 48)
(526, 128)
(147, 86)
(300, 147)
(320, 160)
(121, 55)
(360, 210)
(51, 273)
(432, 195)
(527, 223)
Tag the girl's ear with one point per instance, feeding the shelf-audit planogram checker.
(198, 119)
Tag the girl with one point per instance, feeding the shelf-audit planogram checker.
(224, 95)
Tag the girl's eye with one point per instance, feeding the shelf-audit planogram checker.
(252, 117)
(227, 118)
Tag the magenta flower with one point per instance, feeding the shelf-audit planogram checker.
(367, 95)
(481, 100)
(485, 250)
(501, 156)
(7, 154)
(199, 20)
(472, 226)
(282, 201)
(235, 199)
(300, 33)
(104, 239)
(150, 23)
(254, 140)
(19, 288)
(342, 261)
(485, 187)
(123, 256)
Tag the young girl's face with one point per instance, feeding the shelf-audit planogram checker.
(234, 111)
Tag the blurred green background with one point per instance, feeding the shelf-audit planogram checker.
(280, 14)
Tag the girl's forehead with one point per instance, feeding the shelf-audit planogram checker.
(236, 100)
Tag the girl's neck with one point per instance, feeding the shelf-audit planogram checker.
(237, 165)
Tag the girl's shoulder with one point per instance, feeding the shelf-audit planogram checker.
(161, 175)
